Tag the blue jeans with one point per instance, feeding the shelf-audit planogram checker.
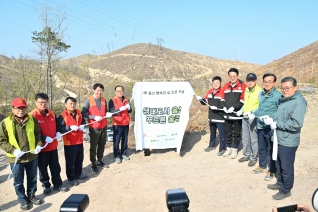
(31, 169)
(221, 129)
(265, 149)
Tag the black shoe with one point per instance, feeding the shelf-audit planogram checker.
(82, 177)
(34, 199)
(209, 148)
(273, 186)
(61, 189)
(47, 191)
(94, 169)
(243, 159)
(102, 164)
(24, 206)
(252, 163)
(280, 196)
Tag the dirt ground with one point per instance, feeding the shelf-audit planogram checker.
(212, 183)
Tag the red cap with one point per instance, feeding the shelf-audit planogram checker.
(19, 102)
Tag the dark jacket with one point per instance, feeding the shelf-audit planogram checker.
(233, 97)
(21, 137)
(213, 98)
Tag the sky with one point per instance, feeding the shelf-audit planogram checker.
(246, 30)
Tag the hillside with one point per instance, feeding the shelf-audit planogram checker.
(302, 64)
(145, 62)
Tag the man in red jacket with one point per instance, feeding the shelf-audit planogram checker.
(120, 123)
(233, 100)
(72, 122)
(49, 155)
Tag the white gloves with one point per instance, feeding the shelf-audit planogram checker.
(273, 125)
(49, 139)
(37, 150)
(230, 110)
(245, 115)
(251, 117)
(225, 110)
(58, 135)
(128, 106)
(239, 113)
(98, 118)
(199, 98)
(122, 108)
(108, 115)
(81, 128)
(74, 127)
(18, 153)
(213, 108)
(268, 121)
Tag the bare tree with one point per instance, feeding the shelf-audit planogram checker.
(160, 41)
(52, 40)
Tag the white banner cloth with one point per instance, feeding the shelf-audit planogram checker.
(161, 114)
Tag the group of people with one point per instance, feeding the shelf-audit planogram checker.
(258, 117)
(30, 140)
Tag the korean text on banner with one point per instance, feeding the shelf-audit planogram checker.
(162, 114)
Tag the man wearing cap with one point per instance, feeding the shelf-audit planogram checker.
(95, 110)
(48, 157)
(232, 101)
(249, 129)
(268, 105)
(20, 138)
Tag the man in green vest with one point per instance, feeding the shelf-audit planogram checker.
(20, 138)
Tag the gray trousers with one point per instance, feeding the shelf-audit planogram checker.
(249, 139)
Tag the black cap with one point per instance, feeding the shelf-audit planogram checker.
(251, 76)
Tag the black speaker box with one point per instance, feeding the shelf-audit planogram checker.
(177, 199)
(75, 202)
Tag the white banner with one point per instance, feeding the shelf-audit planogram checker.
(162, 114)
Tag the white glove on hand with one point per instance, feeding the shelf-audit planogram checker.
(268, 121)
(245, 115)
(251, 117)
(74, 127)
(98, 118)
(81, 128)
(122, 108)
(213, 108)
(199, 98)
(58, 135)
(48, 139)
(128, 106)
(230, 110)
(108, 115)
(37, 150)
(225, 110)
(239, 113)
(273, 125)
(18, 153)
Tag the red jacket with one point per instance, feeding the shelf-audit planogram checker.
(74, 137)
(47, 124)
(94, 111)
(123, 118)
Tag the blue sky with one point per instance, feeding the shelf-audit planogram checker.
(250, 31)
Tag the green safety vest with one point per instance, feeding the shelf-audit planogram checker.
(10, 126)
